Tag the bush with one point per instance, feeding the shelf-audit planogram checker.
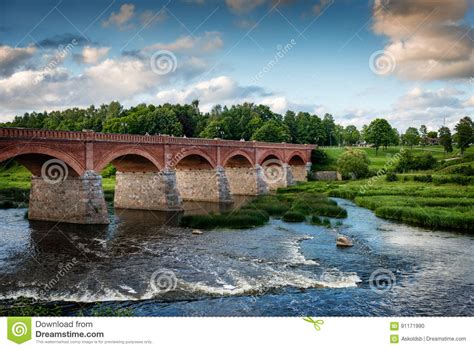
(270, 205)
(353, 164)
(316, 220)
(293, 216)
(458, 179)
(326, 222)
(7, 204)
(321, 161)
(321, 209)
(391, 177)
(432, 217)
(464, 170)
(241, 219)
(423, 178)
(409, 162)
(109, 171)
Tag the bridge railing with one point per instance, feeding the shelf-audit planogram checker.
(90, 136)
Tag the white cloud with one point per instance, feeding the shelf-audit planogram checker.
(469, 102)
(430, 107)
(418, 98)
(243, 6)
(121, 19)
(245, 23)
(112, 79)
(12, 58)
(92, 55)
(219, 90)
(149, 17)
(428, 39)
(194, 45)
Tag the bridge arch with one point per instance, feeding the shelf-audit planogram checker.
(22, 152)
(128, 159)
(194, 158)
(296, 158)
(238, 157)
(270, 154)
(297, 164)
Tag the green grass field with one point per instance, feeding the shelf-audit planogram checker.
(378, 161)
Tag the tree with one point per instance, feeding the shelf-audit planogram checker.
(445, 139)
(393, 137)
(290, 121)
(353, 163)
(432, 134)
(309, 129)
(464, 133)
(423, 135)
(216, 128)
(114, 110)
(411, 137)
(162, 120)
(272, 131)
(378, 133)
(351, 135)
(338, 134)
(329, 128)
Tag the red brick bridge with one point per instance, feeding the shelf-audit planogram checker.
(153, 172)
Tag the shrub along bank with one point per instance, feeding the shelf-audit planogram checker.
(290, 207)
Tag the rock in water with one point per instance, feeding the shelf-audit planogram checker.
(344, 241)
(197, 232)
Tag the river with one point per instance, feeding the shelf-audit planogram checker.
(281, 269)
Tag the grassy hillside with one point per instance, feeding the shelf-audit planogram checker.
(379, 160)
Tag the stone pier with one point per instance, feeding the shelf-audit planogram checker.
(72, 200)
(147, 191)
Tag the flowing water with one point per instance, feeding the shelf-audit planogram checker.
(281, 269)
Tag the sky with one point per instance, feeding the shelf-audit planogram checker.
(409, 61)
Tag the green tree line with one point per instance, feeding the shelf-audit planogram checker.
(245, 121)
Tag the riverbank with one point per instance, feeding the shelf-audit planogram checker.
(435, 206)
